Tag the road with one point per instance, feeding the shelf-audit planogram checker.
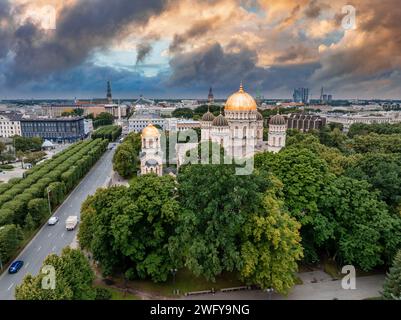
(52, 239)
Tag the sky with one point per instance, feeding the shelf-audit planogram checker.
(180, 48)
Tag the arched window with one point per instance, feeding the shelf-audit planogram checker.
(244, 133)
(151, 143)
(279, 141)
(274, 141)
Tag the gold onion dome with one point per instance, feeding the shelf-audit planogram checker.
(150, 131)
(220, 121)
(240, 101)
(278, 119)
(208, 116)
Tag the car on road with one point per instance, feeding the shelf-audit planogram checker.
(15, 266)
(71, 223)
(52, 221)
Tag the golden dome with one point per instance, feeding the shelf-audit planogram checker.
(150, 131)
(240, 101)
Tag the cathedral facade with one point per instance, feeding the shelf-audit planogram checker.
(239, 130)
(151, 156)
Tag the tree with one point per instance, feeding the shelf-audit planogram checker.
(38, 209)
(3, 147)
(125, 160)
(304, 175)
(126, 157)
(27, 144)
(183, 113)
(380, 143)
(383, 172)
(129, 228)
(10, 239)
(392, 284)
(34, 157)
(380, 128)
(215, 205)
(31, 289)
(29, 223)
(358, 229)
(271, 246)
(74, 278)
(103, 119)
(201, 110)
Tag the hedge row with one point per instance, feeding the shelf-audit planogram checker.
(67, 170)
(110, 133)
(23, 203)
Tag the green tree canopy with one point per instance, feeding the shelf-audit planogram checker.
(358, 229)
(129, 228)
(271, 246)
(215, 205)
(392, 284)
(183, 113)
(126, 157)
(10, 238)
(25, 144)
(383, 172)
(73, 276)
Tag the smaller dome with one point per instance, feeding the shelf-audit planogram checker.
(220, 121)
(150, 131)
(259, 116)
(208, 116)
(278, 119)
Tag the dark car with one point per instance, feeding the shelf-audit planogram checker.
(15, 266)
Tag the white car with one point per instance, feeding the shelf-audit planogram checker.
(52, 221)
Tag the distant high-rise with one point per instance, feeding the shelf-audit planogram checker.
(324, 97)
(301, 95)
(109, 96)
(210, 97)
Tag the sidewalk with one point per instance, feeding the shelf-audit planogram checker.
(317, 285)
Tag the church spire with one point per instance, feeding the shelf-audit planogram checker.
(109, 96)
(241, 87)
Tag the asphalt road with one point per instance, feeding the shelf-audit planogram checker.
(52, 239)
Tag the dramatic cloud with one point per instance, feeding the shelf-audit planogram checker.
(224, 70)
(80, 28)
(143, 50)
(271, 45)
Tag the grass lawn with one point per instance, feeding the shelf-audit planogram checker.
(185, 281)
(119, 295)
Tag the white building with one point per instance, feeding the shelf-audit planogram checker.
(10, 124)
(380, 117)
(137, 124)
(151, 155)
(277, 133)
(239, 130)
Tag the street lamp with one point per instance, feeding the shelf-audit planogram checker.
(48, 199)
(270, 291)
(173, 271)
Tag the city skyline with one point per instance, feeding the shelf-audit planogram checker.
(168, 49)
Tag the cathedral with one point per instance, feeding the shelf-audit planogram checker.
(240, 129)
